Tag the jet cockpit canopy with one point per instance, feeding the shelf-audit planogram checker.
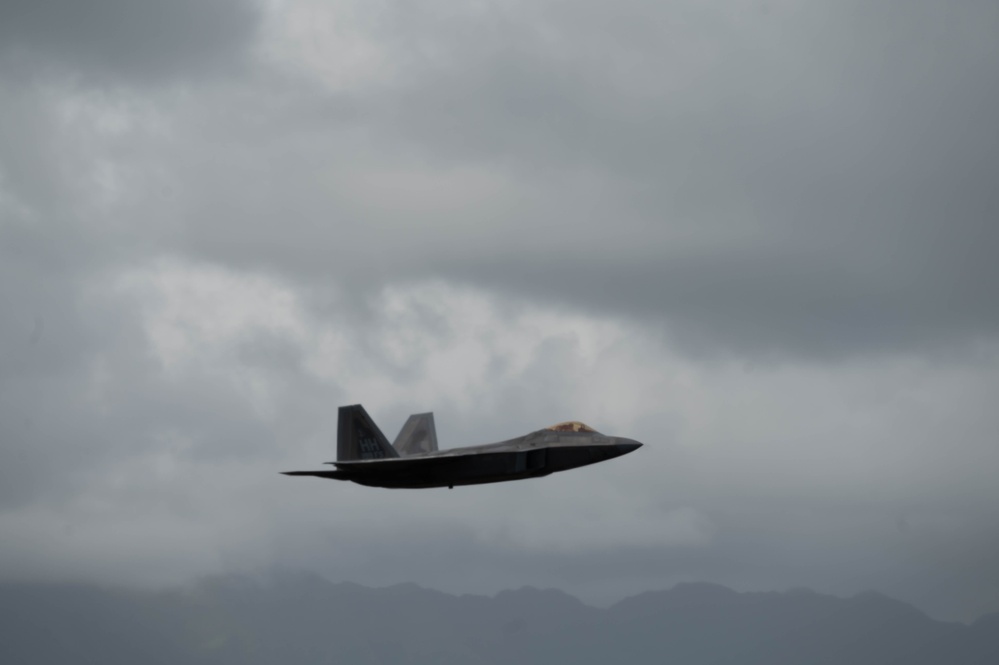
(571, 426)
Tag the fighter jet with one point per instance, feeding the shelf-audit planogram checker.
(364, 455)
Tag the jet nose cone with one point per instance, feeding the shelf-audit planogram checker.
(625, 446)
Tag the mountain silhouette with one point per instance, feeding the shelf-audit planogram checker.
(303, 618)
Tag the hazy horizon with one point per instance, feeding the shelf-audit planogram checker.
(302, 618)
(264, 579)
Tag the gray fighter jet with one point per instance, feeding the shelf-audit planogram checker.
(364, 455)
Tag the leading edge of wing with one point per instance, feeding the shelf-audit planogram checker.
(336, 475)
(392, 462)
(347, 470)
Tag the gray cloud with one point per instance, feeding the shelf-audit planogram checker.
(790, 183)
(117, 40)
(808, 182)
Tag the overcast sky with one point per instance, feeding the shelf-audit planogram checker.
(758, 235)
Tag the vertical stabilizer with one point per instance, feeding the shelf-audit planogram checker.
(418, 435)
(358, 437)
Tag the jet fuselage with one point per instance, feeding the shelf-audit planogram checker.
(540, 453)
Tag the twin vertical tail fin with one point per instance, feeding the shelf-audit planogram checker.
(358, 437)
(418, 435)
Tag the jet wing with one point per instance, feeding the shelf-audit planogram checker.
(337, 475)
(395, 463)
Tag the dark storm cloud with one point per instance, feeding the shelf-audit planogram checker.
(781, 180)
(812, 180)
(137, 42)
